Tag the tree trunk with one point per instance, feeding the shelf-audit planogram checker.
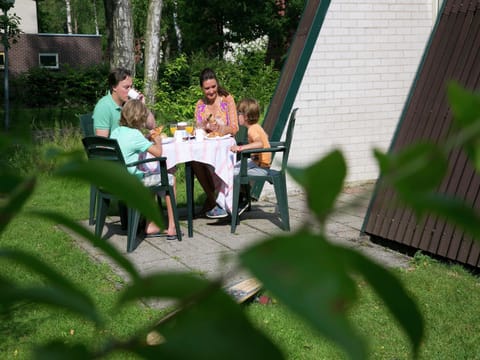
(119, 23)
(95, 18)
(178, 33)
(69, 16)
(152, 49)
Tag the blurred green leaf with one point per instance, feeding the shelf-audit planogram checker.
(215, 328)
(465, 105)
(393, 294)
(59, 350)
(61, 293)
(311, 277)
(166, 285)
(115, 178)
(11, 204)
(323, 182)
(108, 249)
(454, 210)
(466, 121)
(417, 169)
(314, 278)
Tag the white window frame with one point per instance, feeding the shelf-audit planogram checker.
(56, 66)
(2, 59)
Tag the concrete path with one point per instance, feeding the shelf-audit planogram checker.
(212, 249)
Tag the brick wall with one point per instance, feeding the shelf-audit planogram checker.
(358, 78)
(74, 50)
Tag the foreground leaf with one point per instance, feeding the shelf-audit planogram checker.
(309, 275)
(393, 294)
(59, 350)
(166, 285)
(466, 120)
(61, 292)
(105, 246)
(115, 179)
(206, 324)
(323, 182)
(314, 279)
(455, 211)
(214, 328)
(19, 191)
(417, 169)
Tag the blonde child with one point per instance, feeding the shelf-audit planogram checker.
(132, 142)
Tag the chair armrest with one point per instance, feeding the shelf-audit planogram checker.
(277, 143)
(245, 154)
(163, 168)
(162, 160)
(263, 150)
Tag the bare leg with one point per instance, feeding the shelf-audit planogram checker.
(171, 230)
(152, 228)
(204, 177)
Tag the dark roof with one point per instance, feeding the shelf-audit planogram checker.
(453, 53)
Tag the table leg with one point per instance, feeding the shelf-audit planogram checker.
(190, 200)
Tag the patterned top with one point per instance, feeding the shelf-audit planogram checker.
(226, 116)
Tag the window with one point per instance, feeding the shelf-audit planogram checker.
(48, 60)
(2, 60)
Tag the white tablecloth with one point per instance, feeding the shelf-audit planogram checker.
(214, 152)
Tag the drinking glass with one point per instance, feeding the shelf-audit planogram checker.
(173, 128)
(189, 128)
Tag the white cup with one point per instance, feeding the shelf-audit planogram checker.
(180, 134)
(133, 94)
(199, 134)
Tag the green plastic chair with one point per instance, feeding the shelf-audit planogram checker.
(101, 148)
(86, 125)
(275, 177)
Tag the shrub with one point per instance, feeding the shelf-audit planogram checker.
(41, 87)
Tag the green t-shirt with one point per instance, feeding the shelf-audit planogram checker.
(132, 142)
(106, 114)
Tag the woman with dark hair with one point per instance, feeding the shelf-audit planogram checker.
(214, 112)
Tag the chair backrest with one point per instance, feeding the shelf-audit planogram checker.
(288, 138)
(86, 124)
(102, 148)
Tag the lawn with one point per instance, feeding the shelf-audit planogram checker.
(448, 296)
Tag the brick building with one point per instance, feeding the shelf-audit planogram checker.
(52, 51)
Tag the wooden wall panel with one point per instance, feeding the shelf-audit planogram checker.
(453, 54)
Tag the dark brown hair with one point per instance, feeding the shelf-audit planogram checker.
(117, 75)
(209, 74)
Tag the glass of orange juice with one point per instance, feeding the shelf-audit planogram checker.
(189, 128)
(173, 128)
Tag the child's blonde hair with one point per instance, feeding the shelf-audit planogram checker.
(134, 114)
(250, 109)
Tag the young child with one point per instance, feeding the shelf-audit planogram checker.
(258, 164)
(132, 143)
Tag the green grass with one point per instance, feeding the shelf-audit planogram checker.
(449, 296)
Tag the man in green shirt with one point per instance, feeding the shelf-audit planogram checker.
(106, 114)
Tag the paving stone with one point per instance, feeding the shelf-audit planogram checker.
(213, 249)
